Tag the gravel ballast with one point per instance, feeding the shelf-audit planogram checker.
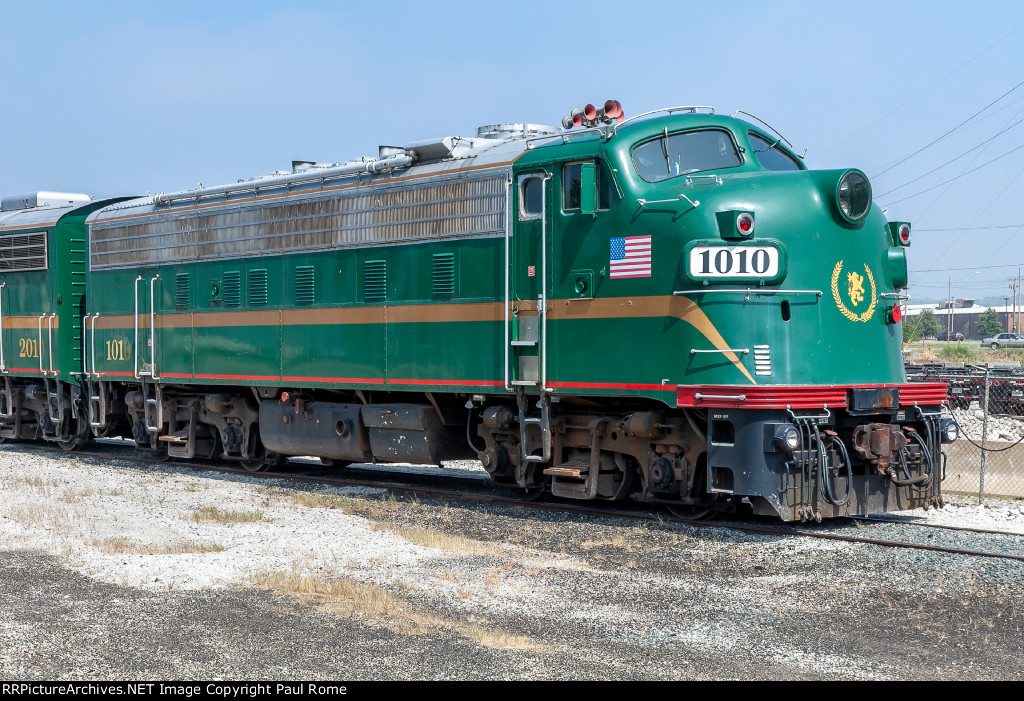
(128, 570)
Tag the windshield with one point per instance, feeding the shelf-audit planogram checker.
(687, 152)
(770, 156)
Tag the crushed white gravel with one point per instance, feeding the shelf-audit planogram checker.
(83, 510)
(711, 592)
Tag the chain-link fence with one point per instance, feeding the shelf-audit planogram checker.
(988, 404)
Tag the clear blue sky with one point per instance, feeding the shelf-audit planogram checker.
(115, 98)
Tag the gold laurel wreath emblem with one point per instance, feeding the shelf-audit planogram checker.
(853, 316)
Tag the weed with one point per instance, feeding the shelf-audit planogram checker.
(208, 514)
(125, 546)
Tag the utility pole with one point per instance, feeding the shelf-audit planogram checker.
(1018, 301)
(949, 310)
(1006, 310)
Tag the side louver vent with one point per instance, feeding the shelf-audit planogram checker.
(257, 287)
(182, 290)
(375, 280)
(305, 284)
(444, 274)
(233, 289)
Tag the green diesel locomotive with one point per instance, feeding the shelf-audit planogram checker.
(669, 308)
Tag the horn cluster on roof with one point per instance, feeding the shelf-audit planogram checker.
(591, 116)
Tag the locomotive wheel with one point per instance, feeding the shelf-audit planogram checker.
(262, 464)
(78, 441)
(536, 494)
(691, 513)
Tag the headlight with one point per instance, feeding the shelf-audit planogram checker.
(853, 195)
(787, 437)
(950, 432)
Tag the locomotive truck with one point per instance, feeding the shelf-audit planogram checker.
(669, 308)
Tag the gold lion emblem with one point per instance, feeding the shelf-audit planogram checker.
(855, 288)
(855, 292)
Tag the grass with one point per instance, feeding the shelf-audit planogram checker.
(62, 519)
(365, 598)
(213, 514)
(960, 353)
(344, 596)
(323, 500)
(74, 495)
(125, 546)
(442, 541)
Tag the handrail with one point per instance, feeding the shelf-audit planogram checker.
(508, 273)
(3, 366)
(735, 397)
(544, 283)
(741, 351)
(694, 203)
(49, 339)
(748, 291)
(685, 108)
(94, 318)
(152, 328)
(135, 367)
(85, 348)
(39, 347)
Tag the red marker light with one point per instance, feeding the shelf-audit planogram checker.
(284, 397)
(896, 314)
(745, 223)
(904, 234)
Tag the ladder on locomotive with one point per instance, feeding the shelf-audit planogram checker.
(526, 324)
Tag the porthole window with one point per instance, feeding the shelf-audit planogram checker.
(531, 197)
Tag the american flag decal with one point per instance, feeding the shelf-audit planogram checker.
(631, 257)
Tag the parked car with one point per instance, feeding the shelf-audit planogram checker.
(946, 336)
(1004, 340)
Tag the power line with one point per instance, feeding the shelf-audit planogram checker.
(968, 267)
(942, 194)
(957, 177)
(973, 228)
(908, 157)
(974, 148)
(907, 102)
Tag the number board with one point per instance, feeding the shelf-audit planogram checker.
(717, 262)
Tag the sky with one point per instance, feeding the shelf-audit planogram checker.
(112, 98)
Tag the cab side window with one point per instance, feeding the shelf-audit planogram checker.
(770, 156)
(572, 175)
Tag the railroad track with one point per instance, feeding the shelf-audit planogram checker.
(479, 491)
